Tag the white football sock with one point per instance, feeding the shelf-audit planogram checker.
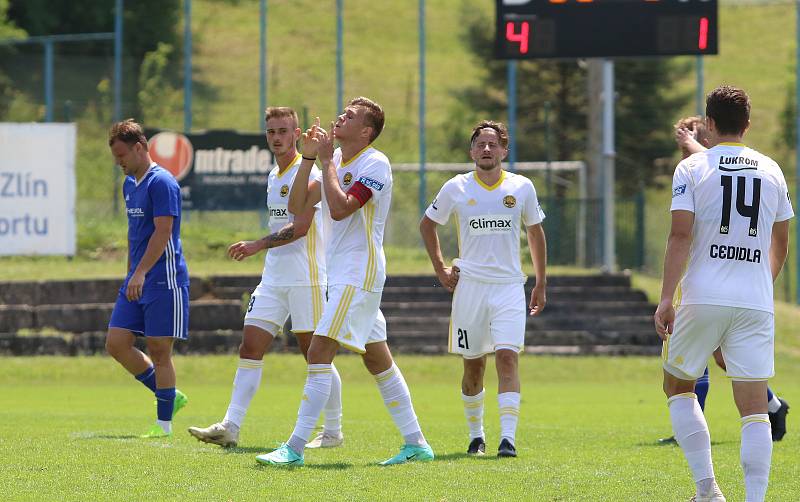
(315, 395)
(774, 404)
(166, 425)
(509, 415)
(473, 410)
(691, 432)
(756, 455)
(245, 385)
(333, 408)
(397, 399)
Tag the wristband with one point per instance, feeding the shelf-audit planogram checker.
(309, 158)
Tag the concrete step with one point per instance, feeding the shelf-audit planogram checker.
(227, 342)
(75, 291)
(203, 314)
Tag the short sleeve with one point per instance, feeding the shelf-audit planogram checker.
(165, 195)
(682, 189)
(377, 176)
(532, 213)
(785, 210)
(442, 206)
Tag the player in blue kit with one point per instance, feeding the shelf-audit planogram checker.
(154, 298)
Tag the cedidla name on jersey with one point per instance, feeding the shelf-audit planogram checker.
(737, 253)
(489, 224)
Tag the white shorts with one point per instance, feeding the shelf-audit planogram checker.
(746, 337)
(270, 306)
(486, 317)
(352, 317)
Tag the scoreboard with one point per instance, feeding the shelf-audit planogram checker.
(528, 29)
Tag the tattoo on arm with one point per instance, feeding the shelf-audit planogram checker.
(280, 237)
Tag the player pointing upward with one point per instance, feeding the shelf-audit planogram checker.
(356, 192)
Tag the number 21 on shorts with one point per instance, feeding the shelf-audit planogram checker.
(463, 341)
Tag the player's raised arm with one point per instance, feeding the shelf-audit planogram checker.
(538, 247)
(304, 193)
(448, 276)
(342, 204)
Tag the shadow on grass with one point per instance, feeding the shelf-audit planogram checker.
(338, 466)
(110, 436)
(666, 444)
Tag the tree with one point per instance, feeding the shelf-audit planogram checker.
(644, 107)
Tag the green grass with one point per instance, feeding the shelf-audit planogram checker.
(588, 431)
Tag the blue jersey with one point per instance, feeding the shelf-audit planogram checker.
(157, 194)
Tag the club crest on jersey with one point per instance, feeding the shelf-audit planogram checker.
(284, 190)
(509, 201)
(371, 183)
(348, 178)
(678, 190)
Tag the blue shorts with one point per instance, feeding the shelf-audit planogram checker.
(159, 312)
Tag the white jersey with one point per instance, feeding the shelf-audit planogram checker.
(302, 262)
(736, 195)
(488, 222)
(354, 245)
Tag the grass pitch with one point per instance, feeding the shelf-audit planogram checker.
(588, 431)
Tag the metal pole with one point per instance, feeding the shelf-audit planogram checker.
(117, 86)
(701, 97)
(797, 156)
(609, 251)
(511, 71)
(48, 81)
(187, 65)
(339, 49)
(118, 61)
(423, 196)
(262, 62)
(547, 157)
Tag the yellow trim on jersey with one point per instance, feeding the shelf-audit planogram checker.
(458, 232)
(313, 272)
(341, 312)
(345, 164)
(294, 161)
(730, 143)
(372, 267)
(490, 188)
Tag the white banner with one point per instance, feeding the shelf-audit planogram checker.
(37, 189)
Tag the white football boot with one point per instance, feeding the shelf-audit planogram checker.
(226, 436)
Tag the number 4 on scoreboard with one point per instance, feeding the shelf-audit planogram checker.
(521, 38)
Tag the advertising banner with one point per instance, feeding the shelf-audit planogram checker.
(217, 170)
(37, 189)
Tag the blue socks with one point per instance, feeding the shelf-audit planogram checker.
(770, 395)
(165, 401)
(148, 378)
(701, 389)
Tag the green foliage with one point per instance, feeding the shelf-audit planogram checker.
(552, 100)
(787, 137)
(159, 100)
